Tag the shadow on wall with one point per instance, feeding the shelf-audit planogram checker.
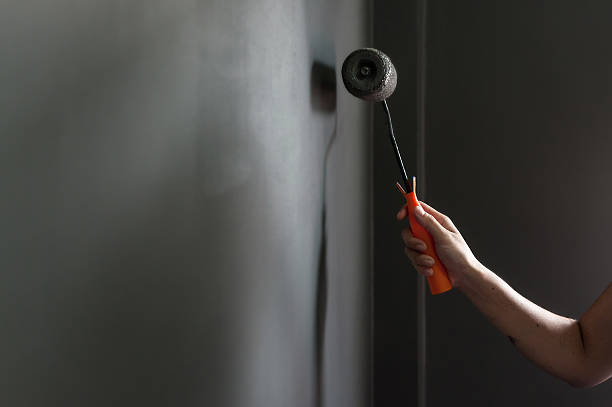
(322, 99)
(323, 91)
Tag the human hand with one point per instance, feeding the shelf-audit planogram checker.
(450, 246)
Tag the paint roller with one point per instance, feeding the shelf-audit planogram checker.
(369, 74)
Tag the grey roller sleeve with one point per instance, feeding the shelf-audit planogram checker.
(369, 74)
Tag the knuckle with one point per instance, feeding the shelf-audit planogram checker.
(423, 270)
(425, 260)
(414, 243)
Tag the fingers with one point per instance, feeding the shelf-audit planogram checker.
(402, 213)
(414, 248)
(440, 217)
(421, 262)
(412, 242)
(433, 227)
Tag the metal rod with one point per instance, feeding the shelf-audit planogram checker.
(398, 156)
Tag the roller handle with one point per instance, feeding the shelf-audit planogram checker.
(438, 282)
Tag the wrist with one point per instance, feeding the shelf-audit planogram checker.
(472, 277)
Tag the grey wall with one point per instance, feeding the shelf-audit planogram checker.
(518, 154)
(185, 214)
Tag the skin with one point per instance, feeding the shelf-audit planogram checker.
(577, 351)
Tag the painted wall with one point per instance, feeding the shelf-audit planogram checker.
(185, 216)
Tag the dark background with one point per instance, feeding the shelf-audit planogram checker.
(395, 284)
(518, 150)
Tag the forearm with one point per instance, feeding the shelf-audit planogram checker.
(579, 352)
(550, 341)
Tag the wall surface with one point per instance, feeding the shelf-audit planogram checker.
(185, 216)
(518, 154)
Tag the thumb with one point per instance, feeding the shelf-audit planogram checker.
(431, 225)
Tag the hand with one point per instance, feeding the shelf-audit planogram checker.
(452, 250)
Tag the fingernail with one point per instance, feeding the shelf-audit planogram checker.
(419, 211)
(428, 272)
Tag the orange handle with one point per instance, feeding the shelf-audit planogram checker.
(438, 282)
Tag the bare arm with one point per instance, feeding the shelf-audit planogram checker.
(579, 352)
